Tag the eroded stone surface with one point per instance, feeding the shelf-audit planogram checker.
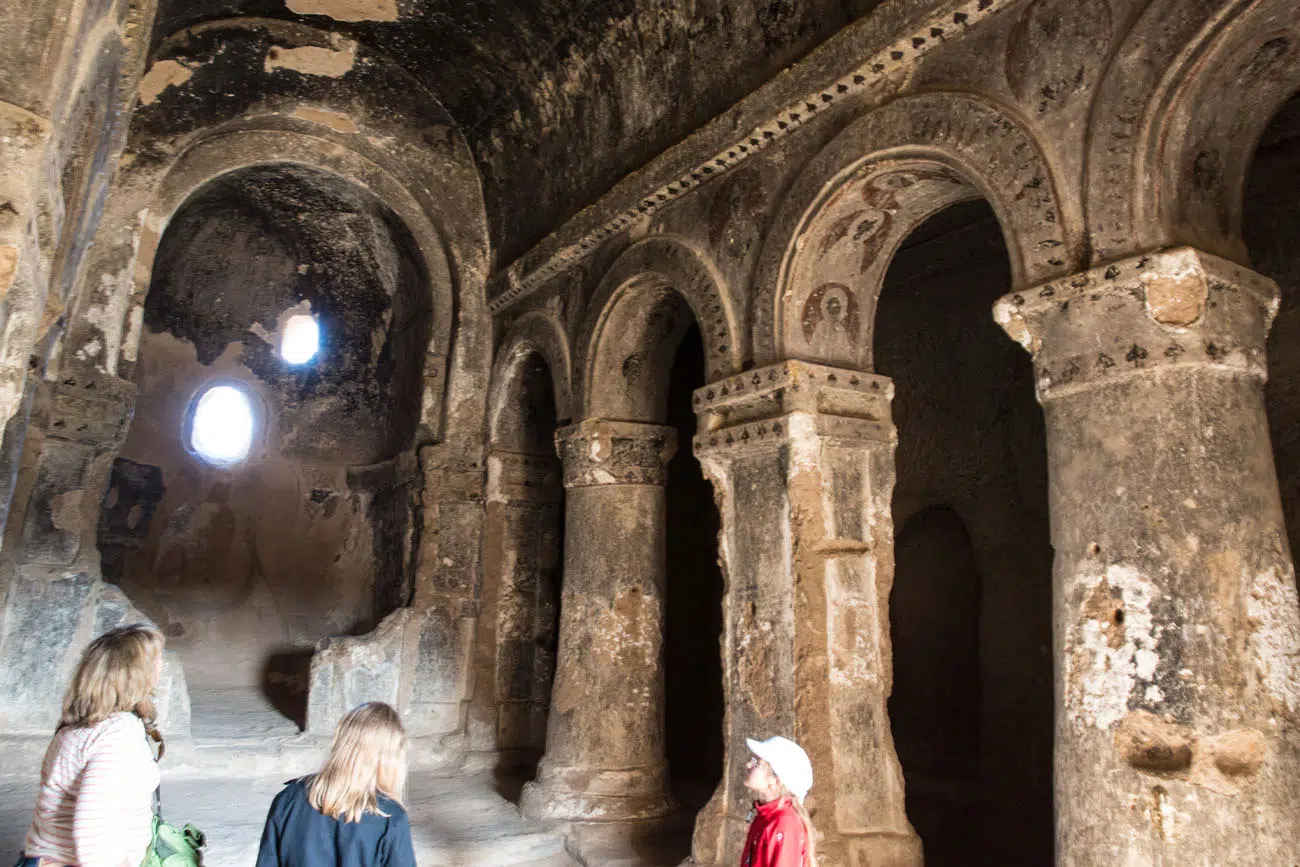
(516, 221)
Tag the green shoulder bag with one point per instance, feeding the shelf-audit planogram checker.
(173, 847)
(170, 846)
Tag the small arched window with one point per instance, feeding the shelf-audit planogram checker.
(300, 339)
(221, 429)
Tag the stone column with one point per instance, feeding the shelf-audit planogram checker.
(513, 666)
(605, 742)
(1177, 628)
(802, 456)
(437, 670)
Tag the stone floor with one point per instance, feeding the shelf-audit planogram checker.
(455, 821)
(244, 750)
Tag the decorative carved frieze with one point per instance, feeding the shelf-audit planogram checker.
(1171, 308)
(772, 404)
(661, 184)
(92, 409)
(600, 452)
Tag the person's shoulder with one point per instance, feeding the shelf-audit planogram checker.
(786, 820)
(295, 788)
(122, 720)
(287, 799)
(119, 728)
(392, 809)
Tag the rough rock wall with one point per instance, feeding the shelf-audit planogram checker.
(66, 87)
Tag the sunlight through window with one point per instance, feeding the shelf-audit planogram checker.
(300, 340)
(222, 430)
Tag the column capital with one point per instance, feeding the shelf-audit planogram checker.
(769, 405)
(604, 452)
(1179, 307)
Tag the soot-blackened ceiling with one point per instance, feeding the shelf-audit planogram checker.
(561, 98)
(256, 244)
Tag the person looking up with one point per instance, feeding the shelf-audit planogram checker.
(781, 833)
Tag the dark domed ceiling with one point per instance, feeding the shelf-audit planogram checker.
(561, 98)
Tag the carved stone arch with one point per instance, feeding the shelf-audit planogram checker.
(640, 310)
(824, 260)
(302, 78)
(1205, 136)
(187, 132)
(1177, 120)
(213, 157)
(535, 333)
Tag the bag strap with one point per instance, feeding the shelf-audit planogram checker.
(153, 736)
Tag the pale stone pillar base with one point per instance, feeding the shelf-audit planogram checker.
(578, 794)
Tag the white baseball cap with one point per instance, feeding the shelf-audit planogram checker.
(789, 762)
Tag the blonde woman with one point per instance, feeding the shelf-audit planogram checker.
(348, 814)
(94, 807)
(781, 833)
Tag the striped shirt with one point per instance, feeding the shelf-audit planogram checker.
(94, 808)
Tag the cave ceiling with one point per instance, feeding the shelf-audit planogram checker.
(559, 99)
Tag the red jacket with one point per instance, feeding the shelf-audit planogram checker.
(777, 837)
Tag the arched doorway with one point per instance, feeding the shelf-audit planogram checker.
(970, 612)
(637, 702)
(523, 565)
(248, 552)
(693, 705)
(1270, 227)
(935, 707)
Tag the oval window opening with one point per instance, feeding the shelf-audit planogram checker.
(222, 429)
(300, 339)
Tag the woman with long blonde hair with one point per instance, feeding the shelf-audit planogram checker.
(94, 806)
(349, 813)
(781, 833)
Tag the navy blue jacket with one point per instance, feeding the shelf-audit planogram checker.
(299, 835)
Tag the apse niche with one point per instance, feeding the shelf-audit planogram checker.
(257, 505)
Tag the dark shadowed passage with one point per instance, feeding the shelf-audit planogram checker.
(693, 621)
(1272, 224)
(970, 612)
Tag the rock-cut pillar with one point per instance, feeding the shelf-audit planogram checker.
(604, 758)
(1176, 622)
(513, 667)
(802, 458)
